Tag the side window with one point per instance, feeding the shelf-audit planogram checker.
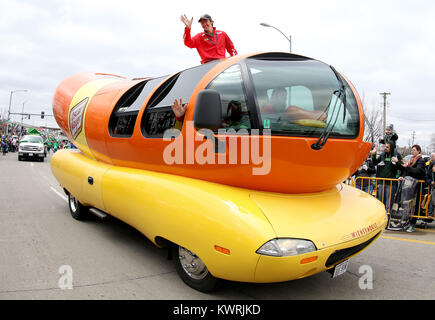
(123, 125)
(158, 115)
(157, 121)
(235, 112)
(123, 117)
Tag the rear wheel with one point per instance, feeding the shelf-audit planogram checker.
(77, 210)
(193, 271)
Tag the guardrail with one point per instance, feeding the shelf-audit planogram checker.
(384, 189)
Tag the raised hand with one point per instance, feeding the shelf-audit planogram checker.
(186, 21)
(178, 108)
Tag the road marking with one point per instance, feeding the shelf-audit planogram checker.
(425, 230)
(59, 194)
(408, 240)
(31, 164)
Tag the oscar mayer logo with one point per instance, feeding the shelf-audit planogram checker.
(76, 118)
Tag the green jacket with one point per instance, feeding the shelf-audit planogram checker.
(389, 170)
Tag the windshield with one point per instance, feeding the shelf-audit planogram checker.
(299, 97)
(32, 139)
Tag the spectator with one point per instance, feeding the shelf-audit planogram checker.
(390, 136)
(415, 169)
(365, 172)
(210, 44)
(386, 189)
(3, 146)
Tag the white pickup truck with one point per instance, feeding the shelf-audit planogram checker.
(31, 146)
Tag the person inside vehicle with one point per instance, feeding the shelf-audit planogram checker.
(278, 105)
(211, 43)
(234, 117)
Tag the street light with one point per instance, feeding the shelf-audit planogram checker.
(9, 110)
(289, 38)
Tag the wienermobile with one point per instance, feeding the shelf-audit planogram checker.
(247, 186)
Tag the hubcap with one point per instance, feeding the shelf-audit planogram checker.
(192, 264)
(73, 203)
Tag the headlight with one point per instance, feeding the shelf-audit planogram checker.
(286, 247)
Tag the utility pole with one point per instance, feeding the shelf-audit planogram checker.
(384, 94)
(9, 109)
(22, 116)
(413, 137)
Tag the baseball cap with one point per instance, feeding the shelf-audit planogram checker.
(205, 17)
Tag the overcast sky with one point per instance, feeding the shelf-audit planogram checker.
(380, 46)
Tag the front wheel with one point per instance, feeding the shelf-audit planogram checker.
(193, 271)
(77, 210)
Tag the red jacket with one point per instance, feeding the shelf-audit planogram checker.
(210, 47)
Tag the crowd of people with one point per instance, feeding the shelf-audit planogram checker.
(392, 170)
(11, 143)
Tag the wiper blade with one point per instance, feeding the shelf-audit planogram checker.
(341, 96)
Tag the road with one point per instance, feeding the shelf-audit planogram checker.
(110, 260)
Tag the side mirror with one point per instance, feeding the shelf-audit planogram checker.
(208, 110)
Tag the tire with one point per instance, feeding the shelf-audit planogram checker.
(193, 271)
(20, 159)
(77, 210)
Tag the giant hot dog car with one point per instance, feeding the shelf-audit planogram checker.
(246, 186)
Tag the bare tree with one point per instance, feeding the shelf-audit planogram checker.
(373, 127)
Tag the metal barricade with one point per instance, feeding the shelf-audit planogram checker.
(384, 189)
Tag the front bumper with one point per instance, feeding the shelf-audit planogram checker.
(279, 269)
(32, 154)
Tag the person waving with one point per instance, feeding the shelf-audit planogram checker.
(210, 44)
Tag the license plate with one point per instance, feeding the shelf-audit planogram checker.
(340, 268)
(30, 154)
